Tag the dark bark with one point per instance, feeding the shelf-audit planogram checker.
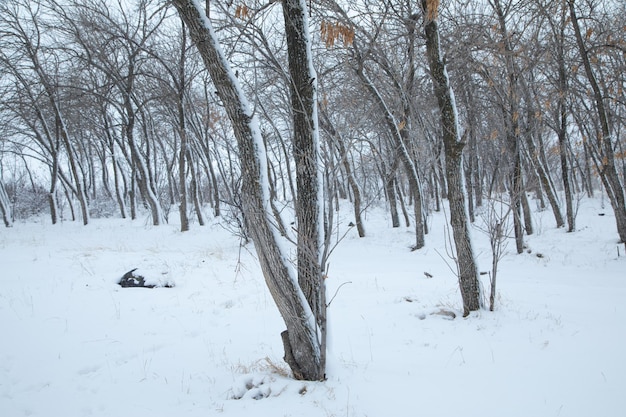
(563, 150)
(562, 126)
(512, 116)
(308, 177)
(538, 163)
(390, 190)
(607, 169)
(471, 165)
(343, 154)
(52, 202)
(453, 148)
(528, 220)
(182, 132)
(61, 132)
(303, 341)
(400, 194)
(141, 176)
(195, 193)
(5, 206)
(404, 155)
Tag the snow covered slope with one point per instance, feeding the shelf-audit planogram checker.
(74, 343)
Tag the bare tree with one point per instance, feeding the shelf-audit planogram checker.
(114, 43)
(605, 139)
(387, 88)
(304, 340)
(344, 157)
(22, 22)
(496, 225)
(309, 201)
(399, 143)
(453, 147)
(512, 121)
(562, 118)
(556, 16)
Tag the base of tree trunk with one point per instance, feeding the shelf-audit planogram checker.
(289, 358)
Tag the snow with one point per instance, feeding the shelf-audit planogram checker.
(76, 344)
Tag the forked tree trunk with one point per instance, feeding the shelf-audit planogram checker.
(453, 148)
(303, 339)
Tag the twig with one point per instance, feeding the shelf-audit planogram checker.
(336, 292)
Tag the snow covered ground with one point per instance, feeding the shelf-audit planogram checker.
(73, 343)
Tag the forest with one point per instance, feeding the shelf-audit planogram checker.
(269, 114)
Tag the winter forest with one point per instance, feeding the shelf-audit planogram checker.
(471, 126)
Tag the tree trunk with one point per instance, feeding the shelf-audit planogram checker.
(587, 171)
(615, 190)
(405, 157)
(390, 189)
(512, 115)
(119, 195)
(54, 179)
(203, 144)
(80, 191)
(400, 194)
(63, 134)
(182, 177)
(515, 190)
(306, 148)
(528, 219)
(343, 154)
(544, 179)
(453, 148)
(5, 206)
(562, 127)
(182, 132)
(472, 164)
(141, 170)
(195, 194)
(562, 135)
(303, 337)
